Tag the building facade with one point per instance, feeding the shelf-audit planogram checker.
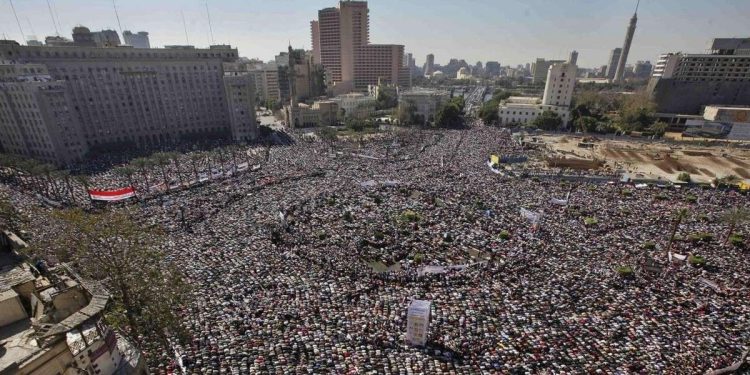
(424, 103)
(341, 37)
(429, 65)
(133, 97)
(558, 95)
(539, 69)
(684, 83)
(356, 105)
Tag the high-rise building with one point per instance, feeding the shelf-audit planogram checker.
(558, 94)
(492, 68)
(683, 83)
(614, 58)
(429, 65)
(138, 40)
(315, 31)
(351, 62)
(642, 69)
(620, 72)
(540, 68)
(90, 97)
(106, 38)
(573, 58)
(83, 37)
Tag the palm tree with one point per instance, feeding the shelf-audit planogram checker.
(84, 180)
(175, 158)
(64, 174)
(161, 159)
(733, 217)
(195, 157)
(141, 164)
(126, 172)
(678, 216)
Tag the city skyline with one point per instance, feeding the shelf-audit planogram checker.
(477, 29)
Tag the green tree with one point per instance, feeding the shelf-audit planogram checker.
(489, 112)
(734, 217)
(586, 124)
(449, 114)
(109, 247)
(636, 112)
(658, 128)
(548, 120)
(407, 113)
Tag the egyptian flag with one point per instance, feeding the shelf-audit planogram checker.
(112, 195)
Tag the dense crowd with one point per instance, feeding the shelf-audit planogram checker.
(308, 263)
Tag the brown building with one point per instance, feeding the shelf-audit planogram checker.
(341, 37)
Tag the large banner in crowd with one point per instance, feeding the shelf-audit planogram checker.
(418, 322)
(112, 195)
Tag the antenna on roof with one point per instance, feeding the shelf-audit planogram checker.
(187, 40)
(210, 28)
(52, 15)
(636, 6)
(23, 37)
(114, 5)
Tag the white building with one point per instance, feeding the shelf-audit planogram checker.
(463, 73)
(424, 102)
(730, 122)
(356, 105)
(558, 94)
(139, 40)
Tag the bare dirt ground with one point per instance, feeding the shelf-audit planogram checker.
(643, 158)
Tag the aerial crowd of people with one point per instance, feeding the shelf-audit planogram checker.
(303, 259)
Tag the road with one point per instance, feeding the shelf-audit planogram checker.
(475, 100)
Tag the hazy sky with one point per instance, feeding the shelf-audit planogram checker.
(511, 31)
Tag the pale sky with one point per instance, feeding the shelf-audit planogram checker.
(510, 31)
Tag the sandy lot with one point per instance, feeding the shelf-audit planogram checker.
(655, 159)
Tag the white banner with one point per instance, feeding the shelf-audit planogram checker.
(561, 202)
(531, 215)
(418, 322)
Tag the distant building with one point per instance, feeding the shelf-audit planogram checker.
(321, 113)
(424, 102)
(429, 65)
(730, 122)
(558, 95)
(315, 31)
(492, 68)
(642, 69)
(266, 78)
(106, 38)
(540, 68)
(614, 59)
(573, 58)
(463, 73)
(684, 83)
(341, 37)
(57, 41)
(620, 71)
(356, 105)
(139, 40)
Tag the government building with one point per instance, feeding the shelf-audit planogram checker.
(57, 103)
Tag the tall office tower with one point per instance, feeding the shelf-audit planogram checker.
(345, 49)
(603, 71)
(492, 68)
(128, 97)
(429, 65)
(626, 46)
(573, 59)
(139, 40)
(643, 69)
(315, 31)
(540, 68)
(561, 81)
(614, 58)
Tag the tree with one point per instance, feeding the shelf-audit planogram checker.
(548, 120)
(141, 164)
(658, 128)
(734, 217)
(9, 217)
(406, 114)
(385, 100)
(161, 160)
(637, 112)
(126, 172)
(586, 124)
(684, 177)
(449, 114)
(678, 217)
(489, 112)
(328, 135)
(110, 247)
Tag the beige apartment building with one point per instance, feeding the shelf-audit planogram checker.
(341, 38)
(119, 96)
